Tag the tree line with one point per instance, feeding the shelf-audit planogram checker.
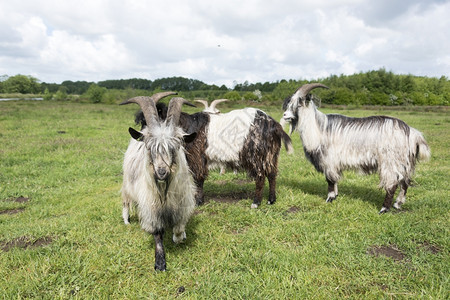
(378, 87)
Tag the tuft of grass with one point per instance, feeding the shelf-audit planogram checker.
(68, 240)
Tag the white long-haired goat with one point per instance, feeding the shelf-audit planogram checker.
(156, 176)
(334, 143)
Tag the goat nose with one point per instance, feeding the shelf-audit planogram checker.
(162, 173)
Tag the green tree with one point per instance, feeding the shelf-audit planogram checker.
(21, 84)
(60, 95)
(95, 93)
(47, 94)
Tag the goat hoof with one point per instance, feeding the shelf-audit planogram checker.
(383, 210)
(160, 268)
(179, 238)
(254, 205)
(330, 199)
(397, 206)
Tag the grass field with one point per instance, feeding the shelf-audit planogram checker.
(62, 236)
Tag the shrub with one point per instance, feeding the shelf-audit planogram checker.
(232, 95)
(95, 93)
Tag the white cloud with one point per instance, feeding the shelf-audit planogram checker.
(222, 41)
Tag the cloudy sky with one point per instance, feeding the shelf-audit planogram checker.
(221, 42)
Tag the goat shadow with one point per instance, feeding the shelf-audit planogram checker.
(169, 245)
(371, 194)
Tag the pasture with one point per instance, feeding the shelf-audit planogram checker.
(62, 235)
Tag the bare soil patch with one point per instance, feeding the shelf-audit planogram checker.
(229, 197)
(389, 251)
(26, 242)
(293, 210)
(431, 248)
(20, 199)
(11, 211)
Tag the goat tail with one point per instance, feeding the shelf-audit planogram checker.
(286, 139)
(423, 152)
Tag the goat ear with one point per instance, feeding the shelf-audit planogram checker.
(135, 134)
(189, 138)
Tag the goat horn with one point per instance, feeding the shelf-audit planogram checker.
(306, 88)
(204, 102)
(174, 110)
(147, 105)
(215, 102)
(158, 96)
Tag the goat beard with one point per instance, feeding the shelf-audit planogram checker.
(292, 124)
(163, 186)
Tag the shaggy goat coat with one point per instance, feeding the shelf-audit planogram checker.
(156, 176)
(334, 143)
(159, 204)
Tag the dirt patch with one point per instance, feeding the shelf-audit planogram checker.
(389, 251)
(230, 197)
(11, 211)
(431, 248)
(26, 242)
(293, 210)
(238, 181)
(20, 199)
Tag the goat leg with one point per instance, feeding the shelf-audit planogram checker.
(199, 195)
(126, 211)
(388, 199)
(272, 188)
(259, 191)
(401, 195)
(160, 256)
(332, 190)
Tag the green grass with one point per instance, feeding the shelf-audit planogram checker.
(66, 158)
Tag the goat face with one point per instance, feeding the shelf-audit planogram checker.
(290, 106)
(300, 99)
(162, 143)
(162, 159)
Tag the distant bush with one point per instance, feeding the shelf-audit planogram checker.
(249, 96)
(95, 93)
(232, 95)
(60, 96)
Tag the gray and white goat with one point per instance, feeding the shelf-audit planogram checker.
(156, 176)
(334, 143)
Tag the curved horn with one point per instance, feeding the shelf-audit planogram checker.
(306, 88)
(147, 105)
(174, 110)
(158, 96)
(215, 102)
(204, 102)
